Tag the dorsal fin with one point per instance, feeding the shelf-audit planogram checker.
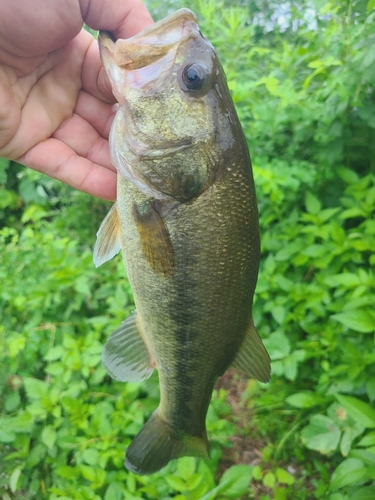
(108, 238)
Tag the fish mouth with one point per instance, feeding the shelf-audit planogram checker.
(145, 62)
(139, 67)
(152, 43)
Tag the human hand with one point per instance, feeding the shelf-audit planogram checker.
(56, 104)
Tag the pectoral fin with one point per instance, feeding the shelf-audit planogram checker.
(125, 355)
(107, 238)
(252, 359)
(155, 240)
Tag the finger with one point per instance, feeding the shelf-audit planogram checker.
(84, 140)
(123, 18)
(47, 97)
(10, 113)
(97, 113)
(29, 29)
(58, 160)
(94, 79)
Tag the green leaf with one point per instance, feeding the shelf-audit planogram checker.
(288, 251)
(367, 456)
(278, 345)
(284, 477)
(269, 480)
(21, 422)
(67, 472)
(35, 388)
(4, 164)
(322, 434)
(360, 411)
(115, 491)
(87, 472)
(197, 484)
(7, 436)
(257, 472)
(346, 279)
(55, 369)
(348, 436)
(186, 467)
(91, 456)
(234, 483)
(236, 480)
(176, 483)
(36, 455)
(12, 401)
(313, 205)
(55, 353)
(368, 440)
(368, 58)
(351, 471)
(366, 493)
(348, 175)
(33, 212)
(278, 312)
(8, 199)
(370, 388)
(305, 399)
(49, 436)
(13, 480)
(280, 494)
(359, 320)
(207, 474)
(290, 363)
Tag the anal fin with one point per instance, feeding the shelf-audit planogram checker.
(107, 238)
(252, 359)
(125, 355)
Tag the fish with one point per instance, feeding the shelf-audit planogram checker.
(186, 220)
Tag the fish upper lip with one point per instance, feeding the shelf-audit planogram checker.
(153, 42)
(179, 18)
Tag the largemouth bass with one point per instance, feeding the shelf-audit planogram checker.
(186, 219)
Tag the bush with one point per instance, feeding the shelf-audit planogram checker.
(304, 90)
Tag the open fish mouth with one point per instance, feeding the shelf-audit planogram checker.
(145, 62)
(150, 132)
(152, 43)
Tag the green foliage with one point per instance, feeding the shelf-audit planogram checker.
(304, 90)
(64, 424)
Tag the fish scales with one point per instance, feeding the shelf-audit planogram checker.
(194, 315)
(186, 219)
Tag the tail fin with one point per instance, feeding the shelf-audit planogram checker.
(156, 444)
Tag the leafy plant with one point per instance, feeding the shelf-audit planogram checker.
(304, 90)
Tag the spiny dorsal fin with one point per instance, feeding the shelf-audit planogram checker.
(155, 240)
(108, 241)
(252, 359)
(125, 355)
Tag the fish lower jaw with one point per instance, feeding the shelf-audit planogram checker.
(125, 171)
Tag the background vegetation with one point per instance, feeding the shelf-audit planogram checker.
(302, 76)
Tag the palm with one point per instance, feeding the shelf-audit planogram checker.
(56, 108)
(52, 119)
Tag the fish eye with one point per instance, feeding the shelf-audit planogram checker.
(194, 76)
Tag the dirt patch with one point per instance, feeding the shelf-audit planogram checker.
(246, 448)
